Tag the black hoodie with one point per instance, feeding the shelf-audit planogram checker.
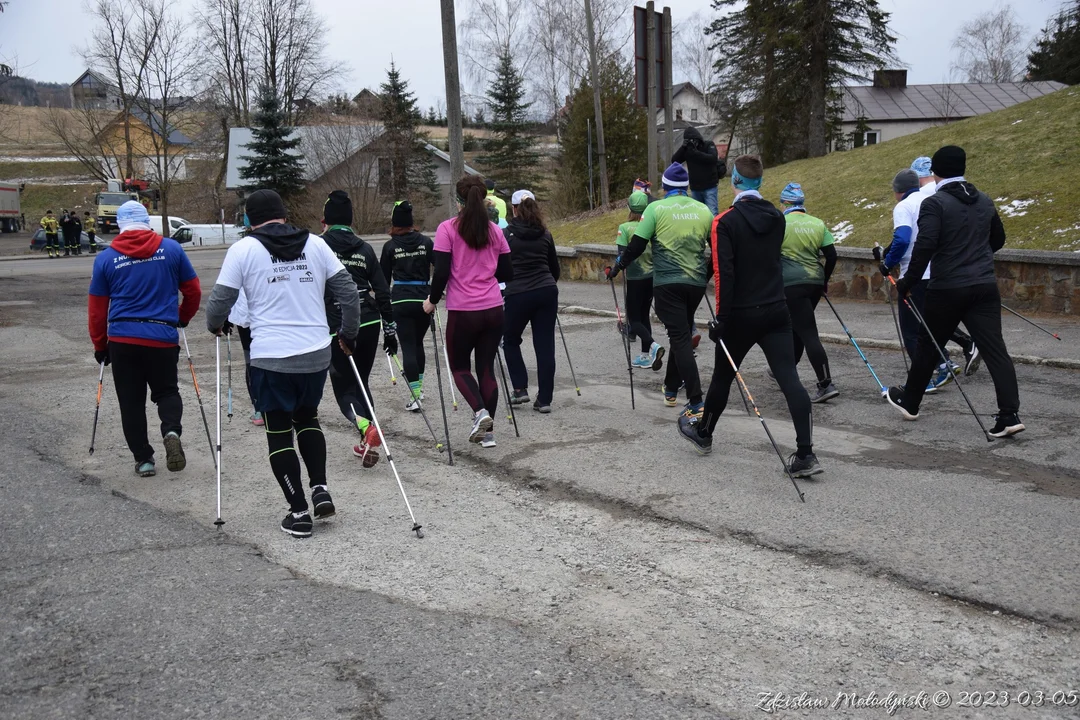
(746, 241)
(959, 230)
(702, 163)
(359, 259)
(282, 240)
(532, 254)
(406, 261)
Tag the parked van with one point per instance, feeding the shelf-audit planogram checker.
(208, 234)
(175, 223)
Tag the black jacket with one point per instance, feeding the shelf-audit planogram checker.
(532, 253)
(746, 241)
(359, 259)
(702, 163)
(281, 240)
(959, 230)
(407, 259)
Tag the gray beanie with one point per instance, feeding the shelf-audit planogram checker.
(905, 180)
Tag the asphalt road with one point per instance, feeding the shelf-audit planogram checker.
(597, 548)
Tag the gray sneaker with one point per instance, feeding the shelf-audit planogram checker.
(482, 424)
(488, 441)
(825, 394)
(545, 409)
(174, 453)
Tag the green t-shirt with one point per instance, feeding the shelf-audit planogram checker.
(641, 268)
(804, 237)
(679, 229)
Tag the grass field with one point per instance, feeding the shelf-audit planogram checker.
(1026, 157)
(36, 199)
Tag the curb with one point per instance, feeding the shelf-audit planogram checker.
(1064, 363)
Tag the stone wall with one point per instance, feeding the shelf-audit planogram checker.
(1044, 282)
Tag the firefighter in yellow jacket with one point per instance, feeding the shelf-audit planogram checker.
(52, 233)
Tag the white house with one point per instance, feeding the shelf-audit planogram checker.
(689, 105)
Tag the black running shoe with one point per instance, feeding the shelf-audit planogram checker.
(541, 407)
(1006, 425)
(520, 397)
(297, 524)
(804, 467)
(972, 360)
(174, 453)
(825, 394)
(322, 502)
(895, 397)
(688, 428)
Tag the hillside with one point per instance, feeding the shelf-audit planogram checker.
(1026, 157)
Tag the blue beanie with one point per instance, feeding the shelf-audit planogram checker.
(131, 212)
(921, 166)
(675, 177)
(792, 194)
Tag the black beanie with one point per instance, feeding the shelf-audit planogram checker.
(489, 184)
(337, 210)
(402, 216)
(263, 205)
(948, 162)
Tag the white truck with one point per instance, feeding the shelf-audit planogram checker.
(10, 207)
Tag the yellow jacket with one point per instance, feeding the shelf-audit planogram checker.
(50, 224)
(499, 203)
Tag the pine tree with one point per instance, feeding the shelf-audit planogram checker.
(1057, 51)
(273, 164)
(411, 168)
(509, 156)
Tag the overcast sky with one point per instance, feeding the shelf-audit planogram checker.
(364, 34)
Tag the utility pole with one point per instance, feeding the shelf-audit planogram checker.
(598, 110)
(669, 111)
(650, 85)
(453, 98)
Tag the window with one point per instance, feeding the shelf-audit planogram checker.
(678, 114)
(693, 113)
(872, 137)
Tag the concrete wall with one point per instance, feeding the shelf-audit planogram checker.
(1045, 282)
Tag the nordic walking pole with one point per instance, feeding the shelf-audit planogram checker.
(446, 357)
(228, 362)
(97, 410)
(512, 417)
(742, 384)
(198, 395)
(1030, 322)
(892, 310)
(393, 379)
(438, 379)
(712, 314)
(415, 396)
(217, 404)
(567, 349)
(626, 341)
(944, 358)
(858, 349)
(389, 458)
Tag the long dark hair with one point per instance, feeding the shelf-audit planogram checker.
(472, 221)
(528, 210)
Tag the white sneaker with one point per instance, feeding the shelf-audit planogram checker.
(488, 441)
(413, 406)
(482, 425)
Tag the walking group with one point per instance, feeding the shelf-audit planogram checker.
(308, 306)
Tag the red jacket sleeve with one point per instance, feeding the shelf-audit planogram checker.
(192, 292)
(98, 314)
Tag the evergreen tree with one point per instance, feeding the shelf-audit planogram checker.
(273, 164)
(509, 155)
(1057, 51)
(411, 168)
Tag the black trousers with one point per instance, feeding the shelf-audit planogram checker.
(52, 242)
(910, 325)
(537, 308)
(768, 327)
(71, 242)
(342, 379)
(979, 308)
(93, 243)
(639, 297)
(412, 327)
(675, 306)
(134, 368)
(802, 301)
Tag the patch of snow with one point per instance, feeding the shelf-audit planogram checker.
(842, 230)
(1016, 208)
(1001, 199)
(1071, 228)
(864, 204)
(1017, 122)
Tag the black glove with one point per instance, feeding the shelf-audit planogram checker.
(716, 330)
(884, 270)
(612, 271)
(347, 343)
(903, 287)
(181, 324)
(102, 356)
(877, 253)
(389, 343)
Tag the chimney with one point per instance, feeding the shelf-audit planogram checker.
(890, 79)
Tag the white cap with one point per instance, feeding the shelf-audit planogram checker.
(520, 195)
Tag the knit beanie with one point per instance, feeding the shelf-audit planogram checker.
(675, 177)
(638, 201)
(337, 210)
(949, 162)
(402, 215)
(264, 205)
(490, 185)
(921, 166)
(905, 180)
(130, 213)
(792, 194)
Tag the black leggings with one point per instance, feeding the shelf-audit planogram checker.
(769, 328)
(639, 294)
(412, 326)
(480, 331)
(280, 426)
(802, 300)
(245, 344)
(675, 306)
(346, 391)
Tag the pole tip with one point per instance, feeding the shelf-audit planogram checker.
(418, 531)
(219, 522)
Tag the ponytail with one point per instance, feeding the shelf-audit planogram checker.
(529, 212)
(472, 221)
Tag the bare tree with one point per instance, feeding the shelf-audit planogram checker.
(289, 42)
(83, 132)
(344, 155)
(227, 26)
(991, 47)
(695, 59)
